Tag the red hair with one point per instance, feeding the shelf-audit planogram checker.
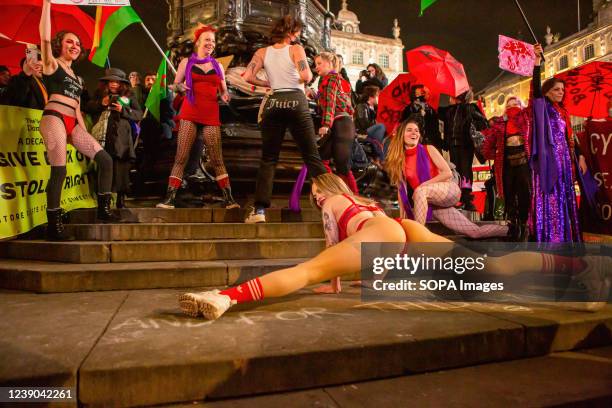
(201, 30)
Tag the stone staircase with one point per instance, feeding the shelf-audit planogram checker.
(105, 319)
(161, 248)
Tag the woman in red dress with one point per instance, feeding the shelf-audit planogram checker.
(204, 80)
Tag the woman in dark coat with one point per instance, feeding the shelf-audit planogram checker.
(458, 119)
(114, 95)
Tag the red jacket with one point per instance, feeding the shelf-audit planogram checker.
(494, 143)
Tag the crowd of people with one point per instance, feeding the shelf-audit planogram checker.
(536, 179)
(538, 206)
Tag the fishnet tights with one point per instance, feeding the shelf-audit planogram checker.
(442, 197)
(212, 140)
(54, 135)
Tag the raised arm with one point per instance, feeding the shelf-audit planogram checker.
(256, 64)
(537, 81)
(301, 63)
(48, 61)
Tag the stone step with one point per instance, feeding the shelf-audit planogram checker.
(135, 348)
(207, 231)
(193, 231)
(55, 277)
(87, 252)
(195, 215)
(505, 384)
(220, 215)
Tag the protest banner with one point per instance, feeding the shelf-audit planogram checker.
(516, 56)
(24, 173)
(595, 146)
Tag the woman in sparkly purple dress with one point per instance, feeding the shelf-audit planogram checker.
(554, 212)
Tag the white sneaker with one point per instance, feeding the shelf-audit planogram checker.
(211, 304)
(164, 205)
(596, 281)
(256, 215)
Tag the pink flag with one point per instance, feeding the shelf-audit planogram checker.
(516, 56)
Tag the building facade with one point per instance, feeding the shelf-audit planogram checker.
(358, 49)
(591, 44)
(244, 25)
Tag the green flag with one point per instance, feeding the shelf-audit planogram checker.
(158, 90)
(425, 4)
(110, 22)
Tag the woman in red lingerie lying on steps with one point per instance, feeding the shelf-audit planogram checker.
(349, 221)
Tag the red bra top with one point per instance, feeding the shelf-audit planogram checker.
(349, 213)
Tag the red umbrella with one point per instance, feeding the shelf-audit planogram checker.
(438, 70)
(392, 101)
(11, 53)
(20, 18)
(587, 89)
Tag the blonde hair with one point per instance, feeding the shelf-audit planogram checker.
(396, 156)
(331, 185)
(517, 99)
(331, 58)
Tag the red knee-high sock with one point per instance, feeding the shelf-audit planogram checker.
(223, 182)
(247, 292)
(564, 265)
(174, 182)
(350, 181)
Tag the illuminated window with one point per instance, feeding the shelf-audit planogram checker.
(358, 57)
(589, 52)
(348, 29)
(563, 63)
(383, 61)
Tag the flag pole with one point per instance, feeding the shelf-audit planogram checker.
(528, 25)
(579, 15)
(158, 47)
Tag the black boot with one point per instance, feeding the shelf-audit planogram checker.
(466, 199)
(120, 200)
(514, 231)
(169, 200)
(228, 199)
(104, 212)
(55, 226)
(524, 235)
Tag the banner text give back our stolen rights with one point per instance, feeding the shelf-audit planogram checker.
(24, 173)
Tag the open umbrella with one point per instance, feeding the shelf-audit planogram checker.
(438, 70)
(587, 89)
(393, 99)
(11, 53)
(20, 18)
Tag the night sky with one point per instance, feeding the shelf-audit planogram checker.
(466, 28)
